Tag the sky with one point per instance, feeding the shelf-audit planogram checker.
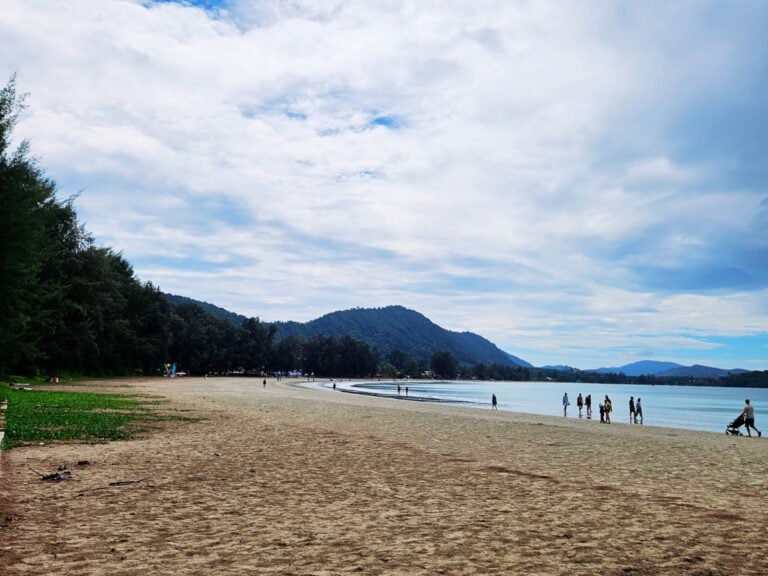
(582, 183)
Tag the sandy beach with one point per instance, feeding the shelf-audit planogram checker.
(293, 481)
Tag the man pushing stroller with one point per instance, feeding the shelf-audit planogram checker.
(749, 418)
(746, 417)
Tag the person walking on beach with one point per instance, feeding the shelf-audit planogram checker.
(264, 383)
(588, 403)
(631, 409)
(749, 418)
(566, 403)
(493, 402)
(602, 413)
(638, 412)
(608, 409)
(579, 403)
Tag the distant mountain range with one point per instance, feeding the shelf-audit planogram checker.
(668, 370)
(642, 368)
(398, 328)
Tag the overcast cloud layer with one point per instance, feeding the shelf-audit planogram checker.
(583, 183)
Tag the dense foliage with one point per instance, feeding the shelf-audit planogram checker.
(444, 365)
(212, 309)
(756, 379)
(65, 304)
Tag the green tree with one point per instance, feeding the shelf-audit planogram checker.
(480, 371)
(388, 370)
(288, 354)
(255, 345)
(444, 365)
(24, 193)
(356, 358)
(200, 343)
(319, 355)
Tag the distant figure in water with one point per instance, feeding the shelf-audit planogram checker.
(632, 410)
(406, 390)
(638, 412)
(602, 413)
(566, 403)
(588, 402)
(493, 402)
(579, 403)
(398, 389)
(334, 384)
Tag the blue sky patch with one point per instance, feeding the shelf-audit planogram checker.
(392, 122)
(205, 4)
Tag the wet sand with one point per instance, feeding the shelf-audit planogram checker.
(286, 480)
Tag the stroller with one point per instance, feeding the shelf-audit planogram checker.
(733, 427)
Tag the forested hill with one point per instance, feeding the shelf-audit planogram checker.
(215, 311)
(395, 328)
(388, 329)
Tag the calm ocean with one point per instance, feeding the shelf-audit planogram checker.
(692, 407)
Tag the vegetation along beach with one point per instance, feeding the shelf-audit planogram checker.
(283, 479)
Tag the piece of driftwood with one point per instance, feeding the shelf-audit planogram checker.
(111, 485)
(61, 474)
(125, 482)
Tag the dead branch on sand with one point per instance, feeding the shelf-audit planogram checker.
(111, 485)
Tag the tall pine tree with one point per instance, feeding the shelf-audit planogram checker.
(24, 191)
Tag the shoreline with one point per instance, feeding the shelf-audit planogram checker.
(659, 420)
(290, 480)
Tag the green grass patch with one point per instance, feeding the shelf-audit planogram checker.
(70, 380)
(49, 416)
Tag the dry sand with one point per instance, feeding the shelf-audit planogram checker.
(286, 480)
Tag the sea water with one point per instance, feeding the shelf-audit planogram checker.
(693, 407)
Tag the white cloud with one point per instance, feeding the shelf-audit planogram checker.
(534, 152)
